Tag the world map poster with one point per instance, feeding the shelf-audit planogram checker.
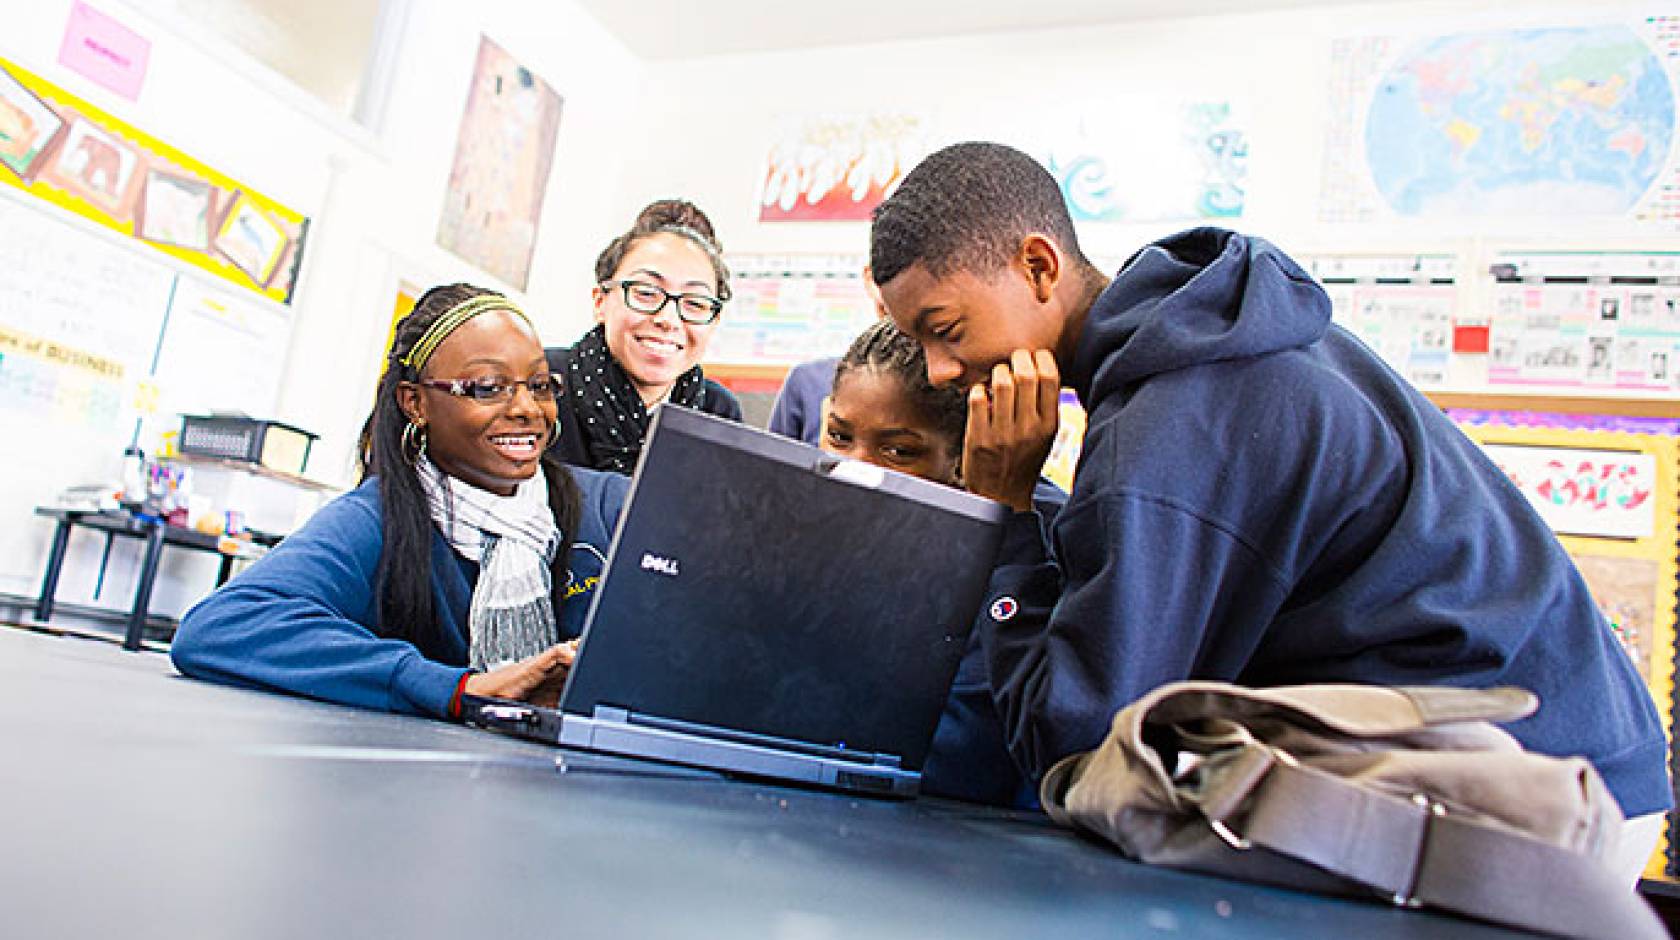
(1569, 121)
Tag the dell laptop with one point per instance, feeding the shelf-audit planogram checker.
(769, 610)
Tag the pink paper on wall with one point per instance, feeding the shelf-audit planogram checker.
(104, 50)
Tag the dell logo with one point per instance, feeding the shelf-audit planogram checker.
(665, 566)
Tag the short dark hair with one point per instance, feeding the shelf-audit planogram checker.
(967, 208)
(885, 349)
(677, 217)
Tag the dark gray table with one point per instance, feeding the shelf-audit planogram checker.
(136, 803)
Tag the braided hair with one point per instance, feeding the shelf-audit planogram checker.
(404, 576)
(883, 348)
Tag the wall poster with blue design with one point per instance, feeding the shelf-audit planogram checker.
(1149, 160)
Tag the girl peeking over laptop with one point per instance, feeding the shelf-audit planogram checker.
(883, 411)
(460, 564)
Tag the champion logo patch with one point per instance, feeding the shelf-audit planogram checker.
(1004, 608)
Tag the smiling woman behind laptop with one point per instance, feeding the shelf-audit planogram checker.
(461, 562)
(659, 291)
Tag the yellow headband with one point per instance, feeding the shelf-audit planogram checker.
(451, 320)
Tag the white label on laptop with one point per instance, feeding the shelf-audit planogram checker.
(858, 473)
(659, 564)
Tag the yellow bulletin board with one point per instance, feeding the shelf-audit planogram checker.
(1070, 434)
(1612, 498)
(407, 296)
(59, 148)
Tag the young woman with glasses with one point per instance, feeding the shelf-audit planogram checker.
(463, 561)
(660, 288)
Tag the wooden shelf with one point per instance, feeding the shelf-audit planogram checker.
(755, 374)
(244, 466)
(1559, 404)
(759, 371)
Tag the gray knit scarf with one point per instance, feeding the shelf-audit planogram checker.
(513, 540)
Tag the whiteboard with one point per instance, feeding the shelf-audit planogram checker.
(220, 352)
(84, 316)
(76, 289)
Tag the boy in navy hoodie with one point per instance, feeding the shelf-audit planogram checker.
(1259, 499)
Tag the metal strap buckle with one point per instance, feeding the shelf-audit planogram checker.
(1228, 835)
(1408, 898)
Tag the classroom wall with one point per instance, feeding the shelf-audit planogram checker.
(1009, 86)
(374, 198)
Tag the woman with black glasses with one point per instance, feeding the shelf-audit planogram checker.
(659, 290)
(464, 560)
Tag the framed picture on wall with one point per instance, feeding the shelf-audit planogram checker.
(175, 210)
(98, 167)
(251, 241)
(1613, 498)
(492, 207)
(28, 127)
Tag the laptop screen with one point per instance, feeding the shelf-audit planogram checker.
(753, 586)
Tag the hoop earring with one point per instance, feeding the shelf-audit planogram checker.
(413, 442)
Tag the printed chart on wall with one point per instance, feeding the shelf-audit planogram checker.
(1403, 306)
(1612, 499)
(788, 309)
(1593, 321)
(1568, 121)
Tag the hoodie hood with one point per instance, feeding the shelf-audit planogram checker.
(1200, 296)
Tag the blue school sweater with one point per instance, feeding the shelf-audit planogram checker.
(305, 618)
(970, 759)
(1261, 500)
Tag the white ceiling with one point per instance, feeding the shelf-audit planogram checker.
(682, 29)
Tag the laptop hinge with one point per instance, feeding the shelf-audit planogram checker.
(612, 713)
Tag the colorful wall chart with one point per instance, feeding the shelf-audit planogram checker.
(1402, 306)
(1586, 320)
(1614, 495)
(503, 155)
(59, 148)
(788, 309)
(837, 167)
(1571, 122)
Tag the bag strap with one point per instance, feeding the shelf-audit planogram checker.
(1418, 853)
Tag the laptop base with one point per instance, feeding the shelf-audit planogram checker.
(618, 732)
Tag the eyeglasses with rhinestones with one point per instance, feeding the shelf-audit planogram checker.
(495, 391)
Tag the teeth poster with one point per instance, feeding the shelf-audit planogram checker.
(837, 167)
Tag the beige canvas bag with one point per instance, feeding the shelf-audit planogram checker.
(1408, 794)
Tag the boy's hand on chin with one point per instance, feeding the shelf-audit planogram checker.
(1012, 423)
